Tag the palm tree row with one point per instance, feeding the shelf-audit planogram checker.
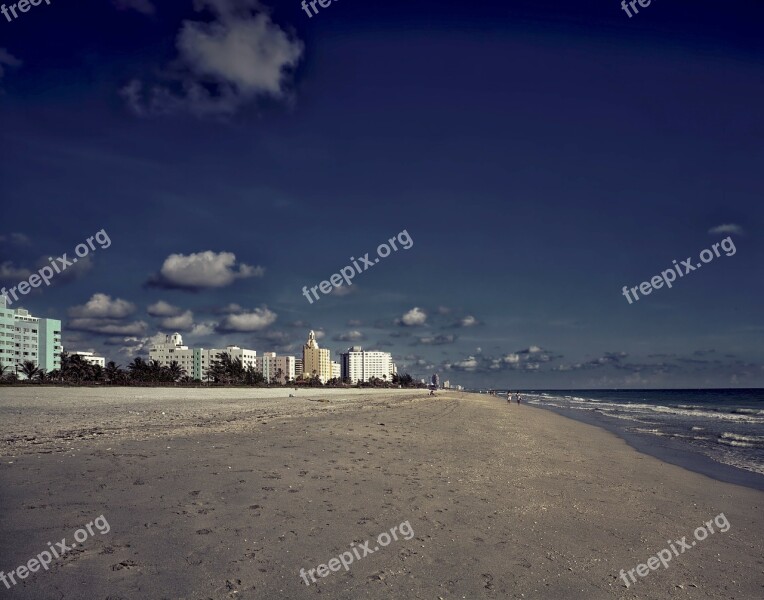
(225, 370)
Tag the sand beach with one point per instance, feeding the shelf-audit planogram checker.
(229, 493)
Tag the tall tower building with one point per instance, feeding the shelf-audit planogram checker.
(315, 360)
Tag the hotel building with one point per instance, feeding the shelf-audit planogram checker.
(25, 337)
(91, 358)
(315, 360)
(359, 365)
(272, 366)
(196, 361)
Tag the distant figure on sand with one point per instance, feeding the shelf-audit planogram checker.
(509, 396)
(518, 398)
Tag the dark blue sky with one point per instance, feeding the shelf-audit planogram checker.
(541, 155)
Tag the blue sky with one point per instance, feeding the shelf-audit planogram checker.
(541, 155)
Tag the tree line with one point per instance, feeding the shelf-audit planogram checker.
(225, 370)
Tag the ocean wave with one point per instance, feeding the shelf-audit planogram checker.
(742, 441)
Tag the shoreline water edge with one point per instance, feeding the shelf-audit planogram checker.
(718, 433)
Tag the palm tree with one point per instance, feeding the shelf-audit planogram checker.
(138, 369)
(113, 372)
(29, 369)
(3, 369)
(175, 371)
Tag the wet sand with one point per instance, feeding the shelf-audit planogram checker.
(229, 493)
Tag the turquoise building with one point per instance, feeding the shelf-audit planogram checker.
(25, 337)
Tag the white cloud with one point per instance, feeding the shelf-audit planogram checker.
(16, 238)
(202, 329)
(728, 228)
(345, 290)
(10, 273)
(142, 6)
(437, 340)
(179, 322)
(133, 345)
(163, 309)
(350, 336)
(7, 60)
(470, 364)
(203, 270)
(416, 316)
(468, 321)
(258, 319)
(231, 308)
(108, 326)
(237, 57)
(101, 306)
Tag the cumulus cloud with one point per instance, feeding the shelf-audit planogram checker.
(528, 359)
(108, 326)
(180, 322)
(203, 329)
(8, 272)
(7, 60)
(230, 309)
(101, 306)
(469, 364)
(437, 340)
(235, 58)
(163, 309)
(142, 6)
(345, 290)
(727, 228)
(466, 321)
(134, 345)
(15, 238)
(416, 316)
(202, 270)
(350, 336)
(255, 320)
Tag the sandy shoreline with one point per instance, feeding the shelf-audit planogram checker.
(228, 496)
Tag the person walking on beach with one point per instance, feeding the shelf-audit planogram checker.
(509, 396)
(518, 398)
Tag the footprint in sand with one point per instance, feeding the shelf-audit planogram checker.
(125, 564)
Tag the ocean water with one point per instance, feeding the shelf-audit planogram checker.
(719, 432)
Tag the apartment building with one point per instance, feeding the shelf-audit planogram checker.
(279, 367)
(358, 364)
(196, 361)
(24, 337)
(91, 358)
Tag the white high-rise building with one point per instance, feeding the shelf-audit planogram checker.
(280, 367)
(24, 337)
(360, 365)
(196, 361)
(336, 370)
(91, 358)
